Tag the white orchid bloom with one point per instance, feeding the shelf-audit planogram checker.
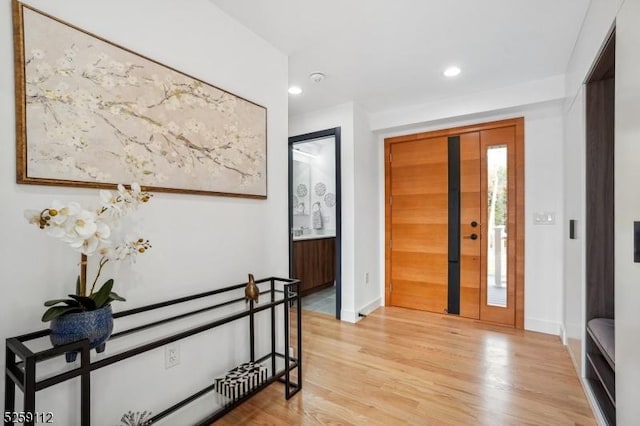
(112, 205)
(107, 252)
(107, 198)
(103, 231)
(90, 232)
(89, 246)
(60, 212)
(74, 242)
(56, 232)
(32, 216)
(84, 224)
(60, 218)
(71, 209)
(121, 252)
(124, 193)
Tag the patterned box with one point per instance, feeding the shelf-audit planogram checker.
(241, 380)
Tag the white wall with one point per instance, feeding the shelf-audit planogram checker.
(543, 192)
(367, 233)
(480, 103)
(574, 204)
(357, 257)
(627, 210)
(543, 189)
(199, 242)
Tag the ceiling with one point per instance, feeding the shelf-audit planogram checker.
(384, 54)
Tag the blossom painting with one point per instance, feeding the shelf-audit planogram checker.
(91, 113)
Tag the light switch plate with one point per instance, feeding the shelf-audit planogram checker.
(544, 218)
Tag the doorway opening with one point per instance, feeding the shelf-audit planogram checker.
(315, 219)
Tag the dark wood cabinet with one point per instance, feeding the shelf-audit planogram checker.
(314, 263)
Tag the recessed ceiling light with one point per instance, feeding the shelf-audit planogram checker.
(295, 90)
(451, 72)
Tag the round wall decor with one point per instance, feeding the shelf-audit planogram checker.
(330, 199)
(321, 189)
(302, 190)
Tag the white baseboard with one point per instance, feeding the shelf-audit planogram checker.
(354, 317)
(543, 326)
(349, 316)
(371, 306)
(563, 335)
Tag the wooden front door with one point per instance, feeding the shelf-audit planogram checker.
(454, 222)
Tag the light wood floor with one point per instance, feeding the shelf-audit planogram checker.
(399, 366)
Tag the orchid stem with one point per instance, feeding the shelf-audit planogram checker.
(83, 275)
(103, 262)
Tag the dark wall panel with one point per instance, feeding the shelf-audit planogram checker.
(600, 199)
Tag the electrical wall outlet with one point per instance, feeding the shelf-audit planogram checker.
(171, 355)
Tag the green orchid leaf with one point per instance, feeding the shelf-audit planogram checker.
(56, 311)
(69, 302)
(115, 296)
(101, 297)
(87, 302)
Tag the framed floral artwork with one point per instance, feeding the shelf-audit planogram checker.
(91, 113)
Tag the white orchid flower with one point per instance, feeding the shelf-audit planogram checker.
(103, 231)
(56, 232)
(32, 216)
(84, 224)
(112, 205)
(60, 212)
(106, 252)
(91, 231)
(124, 193)
(89, 246)
(107, 198)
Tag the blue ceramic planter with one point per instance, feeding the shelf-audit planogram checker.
(93, 325)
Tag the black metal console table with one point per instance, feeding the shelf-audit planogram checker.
(22, 363)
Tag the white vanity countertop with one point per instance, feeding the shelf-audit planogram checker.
(312, 236)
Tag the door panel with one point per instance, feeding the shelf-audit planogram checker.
(498, 249)
(470, 212)
(419, 216)
(425, 296)
(411, 238)
(420, 209)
